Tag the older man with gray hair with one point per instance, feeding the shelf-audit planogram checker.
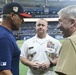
(67, 23)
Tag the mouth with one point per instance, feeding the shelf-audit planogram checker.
(40, 29)
(62, 30)
(63, 33)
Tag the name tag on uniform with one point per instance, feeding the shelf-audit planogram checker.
(31, 47)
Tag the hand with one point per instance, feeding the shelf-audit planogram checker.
(45, 65)
(35, 65)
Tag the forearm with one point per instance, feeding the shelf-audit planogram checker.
(53, 62)
(25, 61)
(5, 72)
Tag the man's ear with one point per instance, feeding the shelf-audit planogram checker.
(12, 15)
(72, 22)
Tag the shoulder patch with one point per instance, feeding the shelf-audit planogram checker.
(3, 63)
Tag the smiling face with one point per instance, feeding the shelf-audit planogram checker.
(64, 25)
(67, 20)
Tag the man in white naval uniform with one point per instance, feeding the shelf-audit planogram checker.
(40, 53)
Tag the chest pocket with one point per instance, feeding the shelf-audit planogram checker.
(50, 53)
(31, 52)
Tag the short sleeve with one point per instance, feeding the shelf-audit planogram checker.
(6, 51)
(24, 50)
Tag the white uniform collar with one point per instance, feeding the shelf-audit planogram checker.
(41, 41)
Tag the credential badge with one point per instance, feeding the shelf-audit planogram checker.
(15, 9)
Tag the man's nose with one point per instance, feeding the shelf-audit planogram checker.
(22, 21)
(58, 26)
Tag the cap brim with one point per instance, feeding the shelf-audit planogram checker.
(25, 15)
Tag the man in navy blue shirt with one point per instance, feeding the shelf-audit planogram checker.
(12, 18)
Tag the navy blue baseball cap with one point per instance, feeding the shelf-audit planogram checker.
(16, 8)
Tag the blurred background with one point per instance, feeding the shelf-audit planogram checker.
(39, 9)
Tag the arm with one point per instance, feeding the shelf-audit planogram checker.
(49, 64)
(54, 62)
(5, 56)
(26, 62)
(24, 57)
(5, 72)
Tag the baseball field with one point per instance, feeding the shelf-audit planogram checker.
(23, 69)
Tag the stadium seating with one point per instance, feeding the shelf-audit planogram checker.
(28, 30)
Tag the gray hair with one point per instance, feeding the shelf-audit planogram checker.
(5, 16)
(69, 11)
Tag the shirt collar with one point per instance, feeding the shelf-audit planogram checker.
(74, 33)
(36, 38)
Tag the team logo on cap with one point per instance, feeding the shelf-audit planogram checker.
(15, 9)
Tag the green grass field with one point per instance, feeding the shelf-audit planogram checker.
(23, 69)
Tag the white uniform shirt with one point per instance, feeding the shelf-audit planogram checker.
(40, 50)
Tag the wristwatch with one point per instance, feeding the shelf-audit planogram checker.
(51, 64)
